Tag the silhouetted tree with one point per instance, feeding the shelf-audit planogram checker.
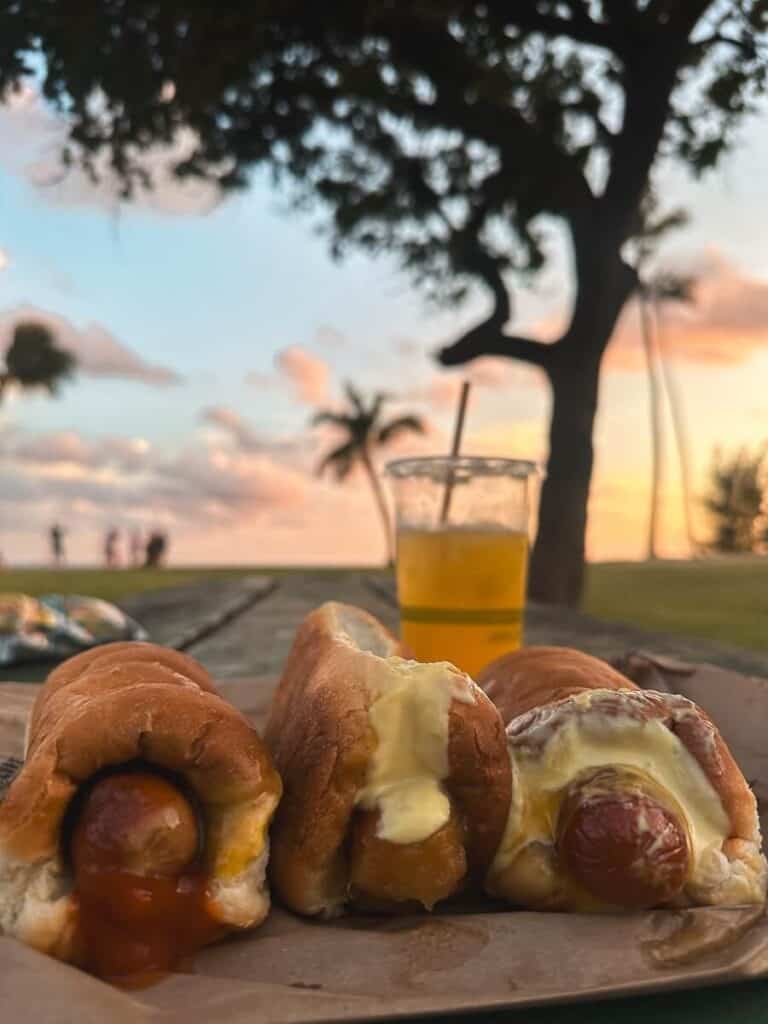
(445, 132)
(33, 360)
(363, 432)
(736, 500)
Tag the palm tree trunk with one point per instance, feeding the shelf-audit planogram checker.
(381, 504)
(679, 430)
(654, 395)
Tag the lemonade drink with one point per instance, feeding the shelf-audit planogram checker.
(461, 591)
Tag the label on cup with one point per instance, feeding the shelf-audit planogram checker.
(462, 616)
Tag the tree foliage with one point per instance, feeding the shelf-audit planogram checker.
(736, 501)
(438, 129)
(34, 360)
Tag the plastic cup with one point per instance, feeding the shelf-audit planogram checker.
(462, 556)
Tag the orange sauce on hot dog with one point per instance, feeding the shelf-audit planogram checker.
(140, 887)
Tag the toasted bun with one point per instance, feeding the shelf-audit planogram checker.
(532, 676)
(114, 713)
(323, 742)
(674, 743)
(118, 654)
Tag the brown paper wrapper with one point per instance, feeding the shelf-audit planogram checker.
(459, 960)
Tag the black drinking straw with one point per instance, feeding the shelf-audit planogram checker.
(458, 430)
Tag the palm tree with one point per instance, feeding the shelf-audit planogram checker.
(657, 439)
(653, 293)
(667, 288)
(364, 432)
(34, 360)
(652, 226)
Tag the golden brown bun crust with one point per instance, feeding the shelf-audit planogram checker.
(480, 781)
(118, 654)
(532, 676)
(322, 741)
(187, 731)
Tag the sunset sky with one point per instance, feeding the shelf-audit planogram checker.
(209, 332)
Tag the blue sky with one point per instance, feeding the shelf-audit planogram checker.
(216, 296)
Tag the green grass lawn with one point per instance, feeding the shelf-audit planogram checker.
(723, 600)
(110, 585)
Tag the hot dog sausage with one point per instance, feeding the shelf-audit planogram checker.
(138, 823)
(622, 841)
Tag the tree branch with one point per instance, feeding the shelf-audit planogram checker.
(747, 46)
(487, 340)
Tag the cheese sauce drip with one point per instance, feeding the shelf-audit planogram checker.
(409, 716)
(594, 739)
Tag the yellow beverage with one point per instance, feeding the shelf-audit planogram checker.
(461, 592)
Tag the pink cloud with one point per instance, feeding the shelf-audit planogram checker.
(234, 425)
(128, 454)
(227, 483)
(491, 372)
(442, 391)
(66, 446)
(726, 324)
(308, 376)
(245, 438)
(125, 481)
(99, 353)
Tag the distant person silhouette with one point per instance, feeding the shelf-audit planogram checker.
(111, 559)
(57, 545)
(156, 548)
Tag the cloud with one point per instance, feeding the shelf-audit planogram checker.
(308, 376)
(245, 438)
(442, 390)
(128, 454)
(227, 483)
(66, 446)
(235, 426)
(99, 353)
(725, 325)
(126, 481)
(4, 261)
(31, 141)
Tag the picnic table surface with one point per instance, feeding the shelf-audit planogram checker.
(242, 630)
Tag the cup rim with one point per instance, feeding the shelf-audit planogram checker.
(490, 465)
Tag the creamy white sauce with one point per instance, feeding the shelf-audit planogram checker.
(409, 716)
(594, 739)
